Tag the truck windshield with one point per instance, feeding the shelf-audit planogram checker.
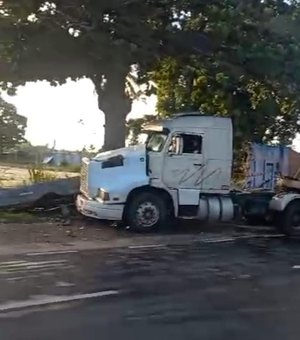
(156, 141)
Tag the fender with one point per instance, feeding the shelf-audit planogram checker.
(281, 201)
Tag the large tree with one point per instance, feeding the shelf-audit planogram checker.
(101, 40)
(12, 126)
(252, 75)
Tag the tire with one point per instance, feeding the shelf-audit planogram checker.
(147, 212)
(289, 219)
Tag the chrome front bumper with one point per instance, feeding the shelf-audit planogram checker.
(96, 209)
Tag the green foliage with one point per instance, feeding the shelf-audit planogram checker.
(68, 168)
(39, 174)
(252, 75)
(60, 39)
(64, 164)
(17, 217)
(134, 128)
(12, 126)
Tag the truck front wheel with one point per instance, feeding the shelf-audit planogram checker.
(289, 220)
(147, 212)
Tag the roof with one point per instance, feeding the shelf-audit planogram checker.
(191, 120)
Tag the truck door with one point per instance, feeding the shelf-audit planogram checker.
(183, 165)
(269, 176)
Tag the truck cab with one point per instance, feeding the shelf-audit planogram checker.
(183, 170)
(194, 152)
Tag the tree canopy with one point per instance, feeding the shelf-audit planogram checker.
(252, 75)
(235, 58)
(60, 39)
(12, 126)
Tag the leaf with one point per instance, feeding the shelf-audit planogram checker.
(12, 127)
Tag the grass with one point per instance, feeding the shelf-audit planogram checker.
(39, 175)
(12, 176)
(17, 217)
(63, 168)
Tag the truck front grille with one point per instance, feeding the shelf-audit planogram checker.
(84, 186)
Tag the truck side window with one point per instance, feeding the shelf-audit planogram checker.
(192, 144)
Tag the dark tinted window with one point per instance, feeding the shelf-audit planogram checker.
(113, 162)
(192, 144)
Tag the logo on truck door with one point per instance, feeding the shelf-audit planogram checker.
(199, 173)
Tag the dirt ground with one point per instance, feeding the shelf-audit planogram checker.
(80, 229)
(55, 232)
(58, 231)
(15, 176)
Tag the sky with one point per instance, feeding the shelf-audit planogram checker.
(66, 115)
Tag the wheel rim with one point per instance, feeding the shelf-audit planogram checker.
(147, 214)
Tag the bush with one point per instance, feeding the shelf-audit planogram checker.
(64, 164)
(39, 174)
(73, 168)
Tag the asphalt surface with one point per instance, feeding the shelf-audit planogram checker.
(243, 289)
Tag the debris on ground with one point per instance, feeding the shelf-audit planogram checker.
(40, 195)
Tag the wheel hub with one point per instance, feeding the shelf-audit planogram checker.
(147, 214)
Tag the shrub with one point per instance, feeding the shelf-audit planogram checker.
(39, 174)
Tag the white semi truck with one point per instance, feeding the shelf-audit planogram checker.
(182, 171)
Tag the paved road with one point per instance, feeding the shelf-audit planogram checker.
(247, 289)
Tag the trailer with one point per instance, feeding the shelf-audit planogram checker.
(182, 171)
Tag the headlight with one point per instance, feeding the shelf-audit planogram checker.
(103, 195)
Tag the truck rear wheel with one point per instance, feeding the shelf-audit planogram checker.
(147, 212)
(289, 220)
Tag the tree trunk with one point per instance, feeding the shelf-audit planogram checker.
(115, 104)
